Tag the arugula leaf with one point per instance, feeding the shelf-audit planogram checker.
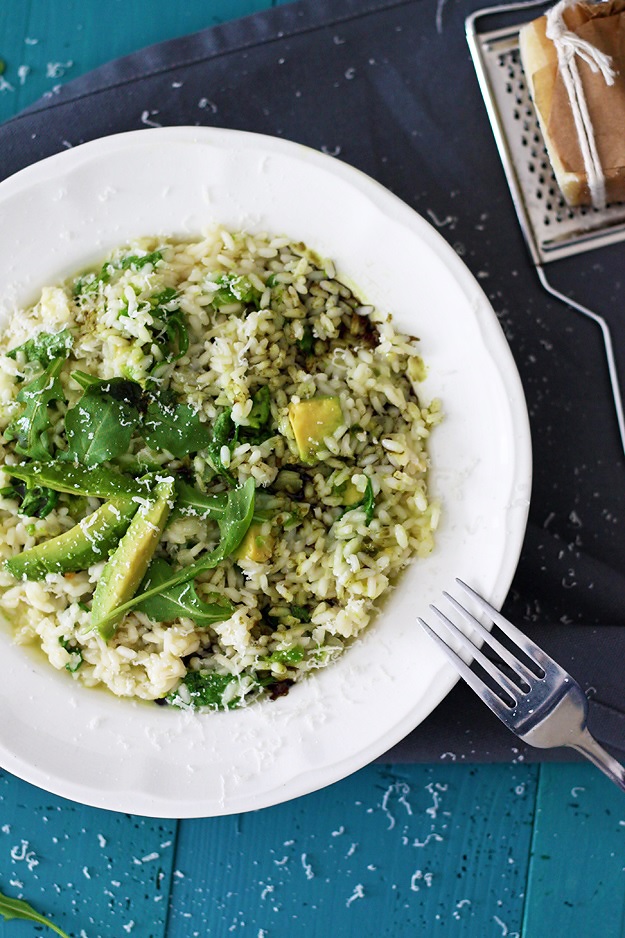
(61, 476)
(307, 343)
(75, 654)
(90, 282)
(174, 427)
(286, 656)
(44, 347)
(30, 429)
(205, 688)
(34, 501)
(258, 429)
(85, 380)
(190, 501)
(171, 325)
(181, 600)
(100, 426)
(163, 297)
(177, 328)
(234, 288)
(226, 433)
(368, 502)
(18, 909)
(136, 261)
(233, 526)
(223, 433)
(261, 409)
(38, 501)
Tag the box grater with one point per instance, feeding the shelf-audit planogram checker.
(552, 229)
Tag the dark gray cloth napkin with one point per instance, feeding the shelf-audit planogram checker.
(390, 88)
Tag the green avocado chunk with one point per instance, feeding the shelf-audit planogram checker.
(89, 541)
(312, 421)
(127, 566)
(349, 494)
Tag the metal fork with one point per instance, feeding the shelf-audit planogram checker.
(541, 703)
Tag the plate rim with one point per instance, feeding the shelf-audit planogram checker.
(494, 340)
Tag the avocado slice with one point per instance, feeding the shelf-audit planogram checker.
(255, 546)
(127, 566)
(312, 421)
(349, 494)
(90, 540)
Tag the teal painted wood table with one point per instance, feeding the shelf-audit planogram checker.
(443, 849)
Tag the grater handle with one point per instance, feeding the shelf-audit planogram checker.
(607, 342)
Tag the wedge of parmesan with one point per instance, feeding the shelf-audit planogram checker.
(603, 25)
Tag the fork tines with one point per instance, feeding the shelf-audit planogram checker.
(519, 676)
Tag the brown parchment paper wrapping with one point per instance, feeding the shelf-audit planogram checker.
(603, 25)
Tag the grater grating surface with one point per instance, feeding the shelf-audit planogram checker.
(552, 229)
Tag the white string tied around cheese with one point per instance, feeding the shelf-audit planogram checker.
(568, 45)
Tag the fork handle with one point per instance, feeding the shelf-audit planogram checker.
(589, 747)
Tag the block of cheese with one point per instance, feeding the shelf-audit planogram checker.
(603, 25)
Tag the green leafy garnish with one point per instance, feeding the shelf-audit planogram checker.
(30, 429)
(307, 342)
(190, 501)
(298, 612)
(181, 600)
(261, 409)
(90, 282)
(234, 288)
(367, 503)
(136, 262)
(45, 347)
(18, 909)
(257, 429)
(174, 427)
(85, 380)
(205, 689)
(223, 433)
(170, 325)
(286, 656)
(163, 297)
(233, 526)
(35, 501)
(76, 658)
(177, 335)
(100, 426)
(62, 476)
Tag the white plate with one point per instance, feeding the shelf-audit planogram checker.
(68, 211)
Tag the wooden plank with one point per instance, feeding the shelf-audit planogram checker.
(96, 874)
(389, 851)
(575, 881)
(45, 44)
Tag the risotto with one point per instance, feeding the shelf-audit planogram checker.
(213, 465)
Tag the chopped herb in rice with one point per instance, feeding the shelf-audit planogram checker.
(213, 465)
